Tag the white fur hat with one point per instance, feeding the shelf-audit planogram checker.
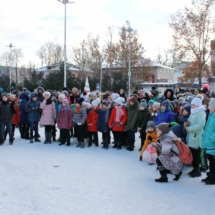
(114, 96)
(46, 93)
(87, 105)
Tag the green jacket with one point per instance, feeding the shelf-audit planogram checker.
(196, 127)
(132, 117)
(208, 137)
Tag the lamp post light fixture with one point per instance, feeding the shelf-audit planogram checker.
(10, 46)
(65, 2)
(129, 30)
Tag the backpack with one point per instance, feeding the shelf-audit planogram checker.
(185, 154)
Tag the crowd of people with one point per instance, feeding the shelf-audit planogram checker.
(160, 120)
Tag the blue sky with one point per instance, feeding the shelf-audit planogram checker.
(27, 24)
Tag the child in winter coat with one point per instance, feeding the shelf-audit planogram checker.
(64, 122)
(48, 116)
(92, 118)
(33, 110)
(155, 110)
(102, 124)
(151, 136)
(143, 118)
(131, 125)
(80, 116)
(16, 116)
(117, 121)
(6, 113)
(165, 114)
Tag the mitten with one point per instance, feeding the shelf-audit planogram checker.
(32, 108)
(140, 158)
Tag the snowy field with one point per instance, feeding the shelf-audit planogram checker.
(39, 179)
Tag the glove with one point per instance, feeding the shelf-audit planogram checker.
(32, 108)
(140, 158)
(150, 138)
(70, 125)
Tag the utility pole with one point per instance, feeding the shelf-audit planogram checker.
(129, 30)
(65, 2)
(10, 46)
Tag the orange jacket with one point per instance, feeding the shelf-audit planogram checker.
(154, 137)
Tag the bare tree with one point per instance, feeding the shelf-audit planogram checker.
(194, 28)
(5, 59)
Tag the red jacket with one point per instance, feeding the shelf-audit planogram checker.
(92, 118)
(16, 116)
(116, 125)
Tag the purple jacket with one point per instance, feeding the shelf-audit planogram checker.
(64, 120)
(48, 114)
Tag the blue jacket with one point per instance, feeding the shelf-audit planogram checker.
(33, 115)
(101, 124)
(166, 116)
(58, 106)
(208, 138)
(23, 114)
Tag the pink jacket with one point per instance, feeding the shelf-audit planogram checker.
(48, 114)
(64, 120)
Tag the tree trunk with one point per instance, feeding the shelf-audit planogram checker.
(200, 76)
(16, 74)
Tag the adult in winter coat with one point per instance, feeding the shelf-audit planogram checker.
(24, 125)
(91, 121)
(142, 120)
(64, 122)
(39, 92)
(102, 123)
(79, 119)
(74, 96)
(168, 94)
(117, 121)
(122, 94)
(194, 130)
(48, 116)
(168, 160)
(165, 114)
(33, 110)
(208, 143)
(6, 113)
(155, 110)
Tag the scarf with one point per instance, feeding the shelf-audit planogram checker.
(48, 101)
(77, 109)
(119, 113)
(198, 109)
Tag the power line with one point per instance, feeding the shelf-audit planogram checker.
(11, 32)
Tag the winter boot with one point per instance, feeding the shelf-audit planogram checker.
(119, 146)
(46, 138)
(49, 137)
(82, 145)
(177, 177)
(37, 140)
(163, 177)
(106, 143)
(195, 173)
(60, 144)
(211, 179)
(11, 142)
(115, 145)
(78, 145)
(86, 141)
(31, 141)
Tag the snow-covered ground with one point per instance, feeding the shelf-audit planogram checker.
(39, 179)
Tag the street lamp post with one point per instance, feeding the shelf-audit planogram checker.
(129, 30)
(10, 46)
(65, 2)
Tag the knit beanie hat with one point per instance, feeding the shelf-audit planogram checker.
(95, 103)
(133, 99)
(61, 96)
(93, 94)
(197, 102)
(156, 104)
(143, 103)
(87, 105)
(151, 124)
(12, 96)
(79, 101)
(66, 101)
(164, 127)
(178, 131)
(173, 124)
(119, 100)
(4, 94)
(46, 93)
(65, 93)
(151, 102)
(115, 96)
(212, 103)
(165, 103)
(187, 108)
